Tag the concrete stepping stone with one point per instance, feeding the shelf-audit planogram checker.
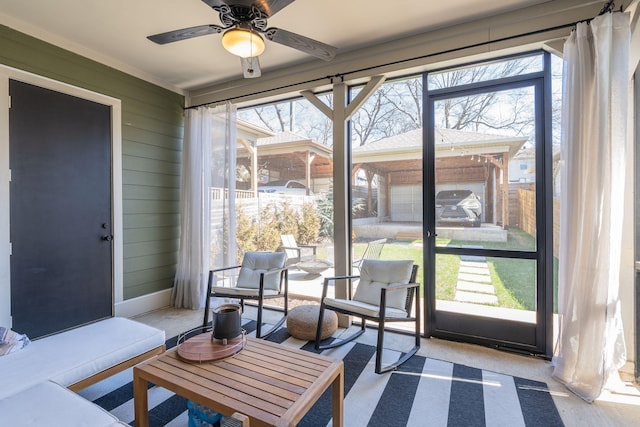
(472, 258)
(466, 277)
(483, 271)
(475, 287)
(482, 263)
(476, 298)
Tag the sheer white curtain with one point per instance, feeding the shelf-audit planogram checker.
(591, 345)
(208, 150)
(223, 184)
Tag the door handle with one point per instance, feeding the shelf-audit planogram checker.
(107, 238)
(431, 234)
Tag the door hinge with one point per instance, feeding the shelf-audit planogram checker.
(10, 248)
(9, 175)
(9, 101)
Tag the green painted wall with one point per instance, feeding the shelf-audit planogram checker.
(152, 120)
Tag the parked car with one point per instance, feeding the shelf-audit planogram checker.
(283, 187)
(458, 207)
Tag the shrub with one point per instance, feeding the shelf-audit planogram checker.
(324, 211)
(267, 235)
(246, 230)
(263, 233)
(287, 219)
(309, 227)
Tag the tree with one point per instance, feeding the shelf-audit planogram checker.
(394, 108)
(297, 116)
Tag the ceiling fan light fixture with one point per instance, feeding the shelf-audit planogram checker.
(243, 43)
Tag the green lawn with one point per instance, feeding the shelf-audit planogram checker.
(513, 279)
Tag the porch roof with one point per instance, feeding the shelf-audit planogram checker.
(449, 143)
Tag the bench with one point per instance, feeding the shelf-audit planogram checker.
(75, 359)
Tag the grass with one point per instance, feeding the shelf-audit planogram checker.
(514, 279)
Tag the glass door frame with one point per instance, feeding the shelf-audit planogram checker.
(498, 333)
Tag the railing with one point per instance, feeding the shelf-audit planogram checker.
(216, 194)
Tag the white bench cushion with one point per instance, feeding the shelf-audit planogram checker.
(49, 404)
(76, 354)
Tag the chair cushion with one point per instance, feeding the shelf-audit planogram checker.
(376, 274)
(362, 308)
(235, 291)
(49, 404)
(255, 263)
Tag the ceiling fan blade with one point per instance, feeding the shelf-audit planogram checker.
(270, 7)
(185, 33)
(214, 3)
(305, 44)
(250, 67)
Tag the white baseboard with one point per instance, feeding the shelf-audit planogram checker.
(144, 304)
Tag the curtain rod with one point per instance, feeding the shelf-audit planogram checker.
(401, 61)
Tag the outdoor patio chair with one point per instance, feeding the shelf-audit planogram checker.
(294, 250)
(262, 275)
(372, 251)
(385, 293)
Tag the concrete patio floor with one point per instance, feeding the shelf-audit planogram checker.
(619, 407)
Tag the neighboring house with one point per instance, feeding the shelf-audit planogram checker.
(522, 168)
(284, 156)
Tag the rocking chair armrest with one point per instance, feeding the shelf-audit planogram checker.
(326, 279)
(275, 270)
(394, 287)
(279, 271)
(398, 286)
(225, 268)
(325, 285)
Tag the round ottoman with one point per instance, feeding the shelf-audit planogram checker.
(302, 322)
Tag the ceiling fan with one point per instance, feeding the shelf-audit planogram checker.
(244, 26)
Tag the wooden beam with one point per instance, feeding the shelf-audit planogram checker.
(365, 93)
(306, 156)
(307, 171)
(312, 98)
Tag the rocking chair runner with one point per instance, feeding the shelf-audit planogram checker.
(262, 275)
(385, 293)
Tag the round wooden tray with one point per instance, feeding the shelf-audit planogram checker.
(201, 348)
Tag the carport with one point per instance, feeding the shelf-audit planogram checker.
(393, 168)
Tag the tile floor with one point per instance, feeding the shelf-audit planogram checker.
(620, 407)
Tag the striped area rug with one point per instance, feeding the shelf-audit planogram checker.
(423, 392)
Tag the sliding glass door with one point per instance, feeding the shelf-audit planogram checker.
(488, 160)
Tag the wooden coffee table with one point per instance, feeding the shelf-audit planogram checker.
(272, 384)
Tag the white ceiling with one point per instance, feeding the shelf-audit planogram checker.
(114, 31)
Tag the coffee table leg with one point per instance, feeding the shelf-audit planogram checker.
(337, 403)
(140, 402)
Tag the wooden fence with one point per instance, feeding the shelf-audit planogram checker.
(522, 203)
